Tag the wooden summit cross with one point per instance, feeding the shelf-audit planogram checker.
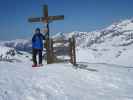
(51, 51)
(46, 19)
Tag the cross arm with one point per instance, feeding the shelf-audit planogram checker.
(39, 19)
(53, 18)
(50, 18)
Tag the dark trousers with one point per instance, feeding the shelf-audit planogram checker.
(35, 52)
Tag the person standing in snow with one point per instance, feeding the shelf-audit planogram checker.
(37, 47)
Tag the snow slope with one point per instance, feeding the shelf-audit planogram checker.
(4, 50)
(12, 55)
(19, 81)
(113, 44)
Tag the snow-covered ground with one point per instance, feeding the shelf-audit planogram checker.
(86, 81)
(117, 56)
(19, 81)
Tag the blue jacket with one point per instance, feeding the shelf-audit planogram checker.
(37, 41)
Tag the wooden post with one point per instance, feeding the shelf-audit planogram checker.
(74, 52)
(70, 50)
(52, 51)
(48, 47)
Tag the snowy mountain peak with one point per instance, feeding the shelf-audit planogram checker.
(18, 44)
(123, 25)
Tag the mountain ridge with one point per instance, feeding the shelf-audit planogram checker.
(113, 44)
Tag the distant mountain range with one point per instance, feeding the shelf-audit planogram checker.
(117, 34)
(18, 44)
(115, 41)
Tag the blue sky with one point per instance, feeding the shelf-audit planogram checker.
(80, 15)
